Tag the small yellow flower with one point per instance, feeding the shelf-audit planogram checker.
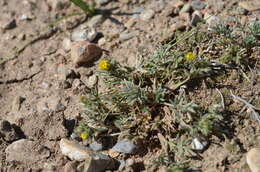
(104, 65)
(84, 135)
(190, 56)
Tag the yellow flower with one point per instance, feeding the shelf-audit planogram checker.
(84, 135)
(190, 56)
(104, 65)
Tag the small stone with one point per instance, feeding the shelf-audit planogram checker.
(101, 41)
(49, 167)
(87, 34)
(91, 81)
(197, 5)
(74, 150)
(8, 24)
(130, 22)
(102, 2)
(66, 73)
(21, 36)
(147, 15)
(74, 136)
(185, 16)
(186, 8)
(66, 44)
(196, 18)
(70, 166)
(113, 153)
(26, 151)
(125, 147)
(178, 26)
(212, 21)
(250, 5)
(95, 146)
(130, 162)
(122, 165)
(83, 52)
(100, 162)
(95, 20)
(198, 145)
(253, 159)
(126, 36)
(16, 105)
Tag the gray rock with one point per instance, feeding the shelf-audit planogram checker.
(196, 18)
(83, 52)
(124, 147)
(126, 36)
(26, 151)
(130, 162)
(147, 15)
(54, 104)
(86, 34)
(99, 163)
(198, 144)
(186, 8)
(95, 146)
(95, 20)
(70, 166)
(197, 5)
(8, 24)
(253, 159)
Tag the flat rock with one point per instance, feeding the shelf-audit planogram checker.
(83, 52)
(26, 151)
(147, 14)
(124, 147)
(253, 159)
(74, 150)
(197, 5)
(250, 5)
(95, 20)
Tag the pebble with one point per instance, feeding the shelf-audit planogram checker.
(197, 5)
(196, 18)
(124, 147)
(198, 145)
(54, 104)
(126, 36)
(102, 41)
(95, 146)
(178, 26)
(122, 165)
(102, 2)
(65, 73)
(186, 8)
(253, 159)
(8, 24)
(16, 105)
(66, 44)
(87, 34)
(83, 52)
(250, 5)
(212, 21)
(95, 20)
(130, 162)
(147, 15)
(74, 150)
(26, 151)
